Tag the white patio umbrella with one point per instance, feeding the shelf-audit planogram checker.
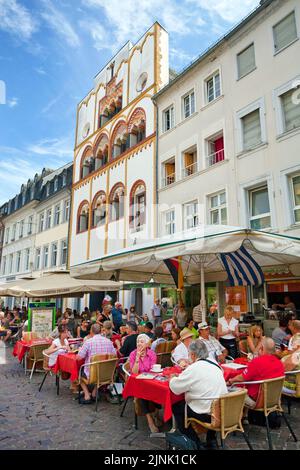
(199, 250)
(56, 285)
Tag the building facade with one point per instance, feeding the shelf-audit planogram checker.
(35, 227)
(229, 139)
(114, 192)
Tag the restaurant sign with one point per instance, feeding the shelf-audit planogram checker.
(41, 318)
(142, 285)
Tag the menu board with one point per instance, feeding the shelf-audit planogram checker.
(41, 318)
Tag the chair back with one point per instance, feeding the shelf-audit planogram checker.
(160, 347)
(36, 352)
(232, 405)
(29, 336)
(272, 394)
(164, 359)
(103, 370)
(46, 360)
(126, 370)
(170, 345)
(243, 346)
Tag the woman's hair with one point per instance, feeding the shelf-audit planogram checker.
(132, 307)
(198, 348)
(253, 330)
(229, 309)
(61, 329)
(176, 331)
(187, 323)
(144, 337)
(158, 332)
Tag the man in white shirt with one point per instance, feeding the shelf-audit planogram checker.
(215, 349)
(203, 378)
(156, 311)
(181, 352)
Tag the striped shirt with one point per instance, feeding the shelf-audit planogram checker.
(197, 314)
(214, 347)
(96, 345)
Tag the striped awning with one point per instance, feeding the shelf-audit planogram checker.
(242, 269)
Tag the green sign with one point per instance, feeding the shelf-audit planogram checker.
(41, 318)
(142, 285)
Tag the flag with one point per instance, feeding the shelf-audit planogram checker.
(242, 269)
(175, 268)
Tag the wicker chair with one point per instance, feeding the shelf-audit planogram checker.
(269, 400)
(227, 412)
(36, 355)
(48, 370)
(293, 376)
(243, 347)
(102, 373)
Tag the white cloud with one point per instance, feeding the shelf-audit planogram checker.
(97, 32)
(16, 19)
(13, 102)
(40, 71)
(51, 103)
(179, 56)
(229, 10)
(59, 23)
(60, 148)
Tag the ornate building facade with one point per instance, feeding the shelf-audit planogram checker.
(114, 193)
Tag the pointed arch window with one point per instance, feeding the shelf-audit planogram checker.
(101, 152)
(138, 206)
(87, 162)
(120, 140)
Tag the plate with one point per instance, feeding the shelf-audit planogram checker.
(156, 372)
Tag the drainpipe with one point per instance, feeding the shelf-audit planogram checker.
(156, 171)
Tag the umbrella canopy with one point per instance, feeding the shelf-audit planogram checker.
(56, 285)
(199, 250)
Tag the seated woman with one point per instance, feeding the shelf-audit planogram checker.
(88, 336)
(168, 325)
(82, 330)
(142, 359)
(254, 340)
(175, 335)
(190, 326)
(5, 332)
(59, 345)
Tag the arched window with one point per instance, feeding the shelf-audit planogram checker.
(83, 217)
(120, 140)
(87, 162)
(101, 152)
(110, 110)
(99, 209)
(116, 200)
(138, 206)
(137, 126)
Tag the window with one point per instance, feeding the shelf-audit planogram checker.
(251, 129)
(18, 262)
(10, 264)
(101, 152)
(215, 149)
(259, 208)
(27, 259)
(117, 203)
(169, 172)
(168, 119)
(64, 252)
(54, 255)
(120, 139)
(83, 217)
(99, 210)
(41, 222)
(30, 223)
(23, 198)
(295, 182)
(37, 258)
(66, 210)
(189, 158)
(87, 162)
(138, 206)
(48, 218)
(290, 111)
(170, 222)
(4, 265)
(188, 104)
(45, 256)
(57, 214)
(32, 193)
(218, 209)
(191, 215)
(21, 229)
(55, 184)
(285, 32)
(64, 180)
(246, 61)
(7, 235)
(213, 87)
(48, 190)
(13, 235)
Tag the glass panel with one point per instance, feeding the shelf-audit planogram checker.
(260, 202)
(259, 224)
(192, 103)
(246, 61)
(217, 85)
(223, 198)
(210, 90)
(251, 129)
(296, 189)
(224, 216)
(285, 32)
(291, 111)
(297, 215)
(214, 217)
(214, 201)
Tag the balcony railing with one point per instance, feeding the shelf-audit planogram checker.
(167, 180)
(216, 157)
(189, 170)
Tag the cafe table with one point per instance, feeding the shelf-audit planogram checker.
(21, 348)
(68, 364)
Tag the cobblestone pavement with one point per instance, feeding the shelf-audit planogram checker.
(30, 419)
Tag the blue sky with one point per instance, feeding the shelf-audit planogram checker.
(50, 50)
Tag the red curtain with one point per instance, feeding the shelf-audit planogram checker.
(219, 149)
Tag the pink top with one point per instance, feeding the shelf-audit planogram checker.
(145, 363)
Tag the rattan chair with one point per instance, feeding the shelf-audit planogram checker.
(227, 412)
(48, 370)
(102, 372)
(164, 359)
(243, 347)
(269, 400)
(294, 376)
(36, 355)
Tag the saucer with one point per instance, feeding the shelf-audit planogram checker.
(157, 371)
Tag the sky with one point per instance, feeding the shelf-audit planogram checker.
(50, 51)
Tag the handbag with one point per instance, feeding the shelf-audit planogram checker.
(178, 441)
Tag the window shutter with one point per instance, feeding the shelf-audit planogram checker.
(251, 129)
(285, 32)
(291, 111)
(246, 61)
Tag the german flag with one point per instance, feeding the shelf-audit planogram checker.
(175, 268)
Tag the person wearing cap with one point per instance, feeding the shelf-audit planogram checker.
(117, 319)
(181, 352)
(215, 349)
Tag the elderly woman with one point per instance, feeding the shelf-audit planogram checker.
(202, 378)
(228, 332)
(59, 346)
(142, 359)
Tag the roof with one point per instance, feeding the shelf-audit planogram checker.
(55, 173)
(262, 6)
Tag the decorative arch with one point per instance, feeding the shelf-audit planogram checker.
(99, 209)
(101, 151)
(87, 162)
(137, 126)
(83, 214)
(116, 202)
(137, 116)
(137, 201)
(119, 140)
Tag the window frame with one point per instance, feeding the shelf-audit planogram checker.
(188, 94)
(186, 217)
(57, 214)
(41, 221)
(18, 261)
(45, 250)
(64, 248)
(170, 109)
(260, 105)
(54, 245)
(293, 201)
(219, 207)
(27, 259)
(170, 223)
(277, 51)
(48, 220)
(207, 80)
(37, 264)
(30, 225)
(251, 191)
(239, 77)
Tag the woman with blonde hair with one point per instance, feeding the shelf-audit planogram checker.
(254, 340)
(228, 332)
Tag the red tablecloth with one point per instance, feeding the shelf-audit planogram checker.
(22, 347)
(230, 373)
(68, 363)
(152, 390)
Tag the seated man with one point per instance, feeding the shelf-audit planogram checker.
(215, 349)
(97, 344)
(280, 334)
(158, 335)
(129, 343)
(266, 366)
(181, 352)
(55, 333)
(148, 327)
(203, 378)
(294, 343)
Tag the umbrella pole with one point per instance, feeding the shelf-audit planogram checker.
(202, 291)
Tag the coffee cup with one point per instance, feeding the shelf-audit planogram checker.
(156, 367)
